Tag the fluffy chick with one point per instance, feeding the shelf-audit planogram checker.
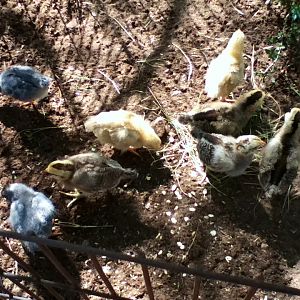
(223, 117)
(226, 154)
(226, 71)
(31, 212)
(123, 129)
(281, 157)
(89, 172)
(24, 83)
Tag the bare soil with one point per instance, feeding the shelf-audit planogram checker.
(168, 213)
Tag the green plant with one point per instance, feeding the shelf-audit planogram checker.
(289, 37)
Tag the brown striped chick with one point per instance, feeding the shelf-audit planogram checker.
(226, 154)
(281, 157)
(89, 172)
(226, 71)
(123, 129)
(223, 117)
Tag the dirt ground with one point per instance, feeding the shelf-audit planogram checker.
(169, 212)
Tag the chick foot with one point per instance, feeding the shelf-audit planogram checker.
(76, 195)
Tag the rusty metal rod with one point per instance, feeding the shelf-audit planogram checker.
(146, 277)
(61, 269)
(252, 290)
(29, 269)
(196, 289)
(102, 275)
(7, 296)
(201, 272)
(63, 286)
(21, 286)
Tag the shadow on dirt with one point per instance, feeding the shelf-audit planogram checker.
(108, 221)
(151, 169)
(147, 69)
(47, 271)
(239, 198)
(37, 133)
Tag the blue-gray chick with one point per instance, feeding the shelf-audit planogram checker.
(31, 212)
(24, 83)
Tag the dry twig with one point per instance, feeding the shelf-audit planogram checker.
(128, 33)
(110, 80)
(188, 59)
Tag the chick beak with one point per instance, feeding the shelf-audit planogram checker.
(262, 143)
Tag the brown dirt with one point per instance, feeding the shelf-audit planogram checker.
(71, 41)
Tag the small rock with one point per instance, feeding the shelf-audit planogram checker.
(228, 258)
(213, 233)
(180, 245)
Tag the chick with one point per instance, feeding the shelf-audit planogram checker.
(123, 129)
(281, 157)
(31, 212)
(89, 172)
(226, 154)
(223, 117)
(226, 71)
(24, 83)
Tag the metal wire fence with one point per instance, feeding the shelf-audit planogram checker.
(73, 285)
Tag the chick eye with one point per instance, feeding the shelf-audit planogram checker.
(240, 147)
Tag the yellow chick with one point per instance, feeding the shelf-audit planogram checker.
(226, 71)
(123, 129)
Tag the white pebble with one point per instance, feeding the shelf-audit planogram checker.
(171, 139)
(176, 207)
(168, 213)
(176, 93)
(107, 269)
(173, 187)
(211, 215)
(186, 219)
(192, 209)
(228, 258)
(205, 192)
(148, 178)
(173, 220)
(180, 245)
(168, 201)
(164, 192)
(213, 233)
(160, 252)
(178, 195)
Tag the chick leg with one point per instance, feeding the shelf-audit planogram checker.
(76, 195)
(133, 150)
